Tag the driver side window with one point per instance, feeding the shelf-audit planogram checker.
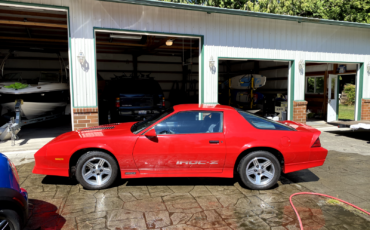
(191, 122)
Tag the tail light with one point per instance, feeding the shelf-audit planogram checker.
(117, 102)
(163, 102)
(317, 143)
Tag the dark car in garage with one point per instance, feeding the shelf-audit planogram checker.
(130, 99)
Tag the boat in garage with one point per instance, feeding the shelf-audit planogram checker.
(46, 95)
(31, 97)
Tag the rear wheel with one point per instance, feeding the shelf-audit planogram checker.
(9, 220)
(96, 170)
(259, 170)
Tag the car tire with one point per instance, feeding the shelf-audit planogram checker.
(259, 170)
(11, 219)
(96, 170)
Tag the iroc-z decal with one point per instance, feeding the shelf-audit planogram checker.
(196, 162)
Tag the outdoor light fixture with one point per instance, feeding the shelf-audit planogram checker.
(368, 67)
(169, 42)
(211, 63)
(136, 37)
(81, 58)
(301, 66)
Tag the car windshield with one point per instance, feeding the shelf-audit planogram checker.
(262, 123)
(138, 127)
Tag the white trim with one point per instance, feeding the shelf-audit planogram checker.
(357, 80)
(289, 90)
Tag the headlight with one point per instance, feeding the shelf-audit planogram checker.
(14, 169)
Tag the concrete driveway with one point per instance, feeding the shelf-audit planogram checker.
(210, 203)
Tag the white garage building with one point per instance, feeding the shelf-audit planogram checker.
(214, 42)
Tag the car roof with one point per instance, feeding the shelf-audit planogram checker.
(218, 107)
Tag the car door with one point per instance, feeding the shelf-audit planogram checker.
(186, 142)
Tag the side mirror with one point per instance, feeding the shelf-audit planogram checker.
(151, 133)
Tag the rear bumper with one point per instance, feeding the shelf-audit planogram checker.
(317, 158)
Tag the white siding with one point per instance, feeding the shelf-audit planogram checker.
(225, 36)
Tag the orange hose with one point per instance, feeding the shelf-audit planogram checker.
(318, 194)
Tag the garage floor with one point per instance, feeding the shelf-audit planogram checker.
(33, 137)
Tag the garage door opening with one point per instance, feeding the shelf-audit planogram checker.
(34, 70)
(330, 91)
(259, 87)
(140, 75)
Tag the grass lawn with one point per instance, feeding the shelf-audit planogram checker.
(346, 112)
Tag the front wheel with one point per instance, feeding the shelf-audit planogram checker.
(9, 220)
(259, 170)
(96, 170)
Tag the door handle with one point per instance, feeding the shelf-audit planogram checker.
(214, 142)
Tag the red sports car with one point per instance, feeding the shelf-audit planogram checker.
(186, 141)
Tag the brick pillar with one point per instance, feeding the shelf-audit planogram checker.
(299, 111)
(365, 109)
(85, 117)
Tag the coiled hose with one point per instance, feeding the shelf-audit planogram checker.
(318, 194)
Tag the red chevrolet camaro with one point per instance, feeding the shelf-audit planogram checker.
(186, 141)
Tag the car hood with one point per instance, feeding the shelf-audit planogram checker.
(109, 130)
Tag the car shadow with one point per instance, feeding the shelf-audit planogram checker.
(360, 135)
(301, 176)
(59, 180)
(289, 178)
(44, 215)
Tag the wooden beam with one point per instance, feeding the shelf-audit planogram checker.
(313, 64)
(14, 12)
(22, 19)
(39, 24)
(142, 45)
(322, 73)
(158, 44)
(142, 71)
(143, 62)
(33, 39)
(274, 68)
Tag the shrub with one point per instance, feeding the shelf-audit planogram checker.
(350, 91)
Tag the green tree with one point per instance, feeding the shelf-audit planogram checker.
(343, 10)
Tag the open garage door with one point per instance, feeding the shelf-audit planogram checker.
(141, 74)
(259, 87)
(34, 72)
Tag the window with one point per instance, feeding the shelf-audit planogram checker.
(138, 127)
(262, 123)
(191, 122)
(315, 85)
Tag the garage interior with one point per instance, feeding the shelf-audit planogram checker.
(34, 51)
(170, 62)
(269, 101)
(316, 89)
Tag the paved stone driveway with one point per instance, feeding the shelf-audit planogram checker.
(203, 203)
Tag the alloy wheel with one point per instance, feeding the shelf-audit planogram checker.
(96, 171)
(260, 171)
